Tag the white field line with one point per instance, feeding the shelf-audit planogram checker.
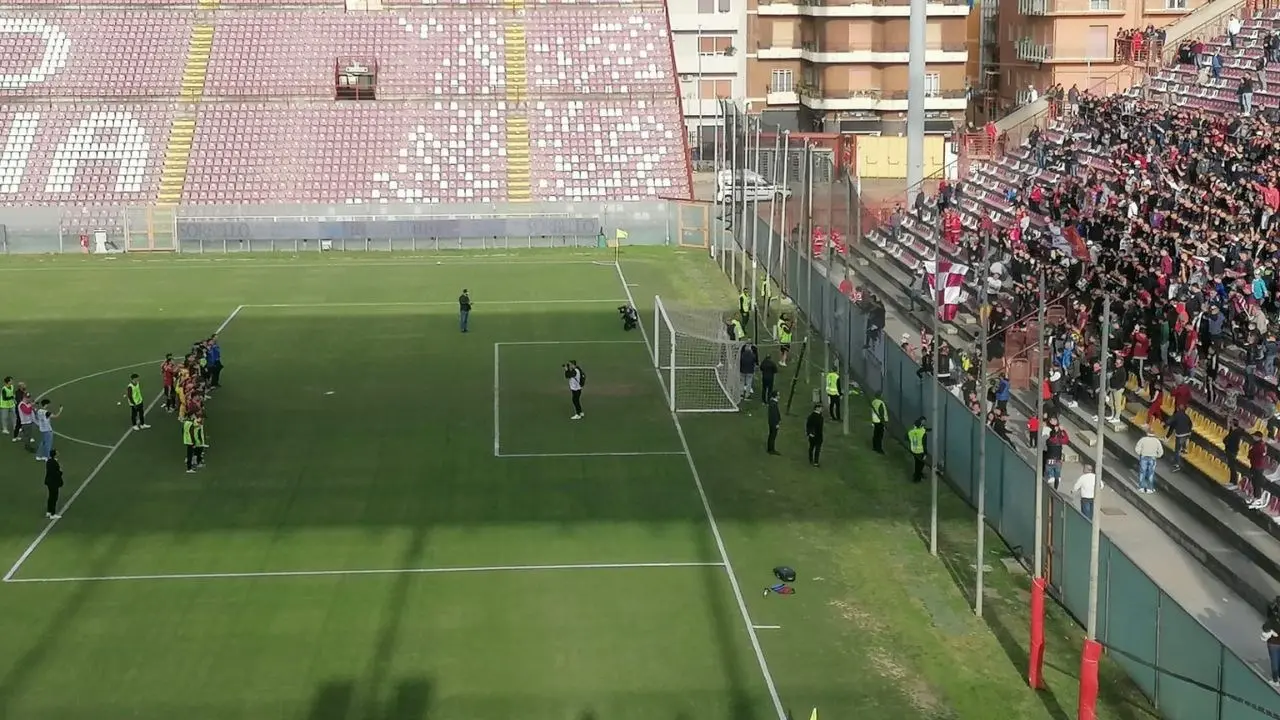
(111, 451)
(427, 303)
(768, 627)
(497, 441)
(227, 261)
(715, 532)
(572, 342)
(389, 571)
(90, 376)
(591, 454)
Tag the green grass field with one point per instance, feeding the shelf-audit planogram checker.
(400, 521)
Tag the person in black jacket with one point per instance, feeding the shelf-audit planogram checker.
(1271, 636)
(1179, 428)
(775, 419)
(813, 428)
(768, 369)
(1231, 447)
(53, 483)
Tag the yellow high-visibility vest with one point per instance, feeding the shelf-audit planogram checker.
(915, 437)
(879, 411)
(833, 383)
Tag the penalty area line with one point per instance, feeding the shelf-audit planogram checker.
(424, 303)
(388, 571)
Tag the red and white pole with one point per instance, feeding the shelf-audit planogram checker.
(1088, 709)
(1035, 671)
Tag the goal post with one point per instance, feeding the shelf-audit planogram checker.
(697, 361)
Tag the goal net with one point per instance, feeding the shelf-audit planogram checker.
(697, 360)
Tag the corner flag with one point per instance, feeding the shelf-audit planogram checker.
(620, 235)
(814, 714)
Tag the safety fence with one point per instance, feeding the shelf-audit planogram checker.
(1181, 667)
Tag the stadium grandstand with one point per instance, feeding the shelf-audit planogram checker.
(1163, 197)
(148, 111)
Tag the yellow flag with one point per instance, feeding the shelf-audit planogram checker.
(620, 235)
(814, 714)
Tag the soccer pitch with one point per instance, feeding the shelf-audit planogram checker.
(400, 521)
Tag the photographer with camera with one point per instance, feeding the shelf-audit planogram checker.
(1271, 636)
(630, 318)
(577, 380)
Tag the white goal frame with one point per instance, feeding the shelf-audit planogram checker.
(664, 359)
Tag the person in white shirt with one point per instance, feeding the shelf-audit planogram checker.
(577, 379)
(1085, 487)
(1149, 450)
(1233, 29)
(44, 425)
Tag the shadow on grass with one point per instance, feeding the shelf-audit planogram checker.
(727, 626)
(47, 644)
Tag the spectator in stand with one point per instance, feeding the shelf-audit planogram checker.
(1052, 457)
(1245, 91)
(1231, 448)
(1179, 428)
(1149, 450)
(1233, 30)
(1215, 66)
(1086, 486)
(1257, 469)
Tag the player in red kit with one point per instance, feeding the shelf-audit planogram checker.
(168, 373)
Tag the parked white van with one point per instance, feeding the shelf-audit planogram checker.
(747, 185)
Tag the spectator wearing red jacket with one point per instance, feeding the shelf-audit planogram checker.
(1257, 464)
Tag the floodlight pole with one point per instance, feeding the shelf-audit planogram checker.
(804, 244)
(1092, 648)
(985, 313)
(1035, 672)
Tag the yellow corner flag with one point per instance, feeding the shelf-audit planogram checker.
(620, 235)
(814, 714)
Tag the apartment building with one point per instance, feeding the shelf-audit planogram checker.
(841, 65)
(1040, 43)
(709, 39)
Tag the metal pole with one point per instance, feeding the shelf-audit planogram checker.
(1091, 628)
(735, 182)
(916, 34)
(715, 139)
(698, 93)
(741, 250)
(1035, 670)
(1092, 652)
(755, 235)
(939, 297)
(773, 203)
(804, 243)
(1038, 570)
(785, 164)
(982, 423)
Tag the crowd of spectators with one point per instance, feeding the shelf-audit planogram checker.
(1209, 62)
(1138, 45)
(1173, 219)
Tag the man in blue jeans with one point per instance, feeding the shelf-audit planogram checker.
(44, 425)
(1180, 430)
(464, 309)
(1149, 449)
(1086, 486)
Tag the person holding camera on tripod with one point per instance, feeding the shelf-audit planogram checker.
(577, 380)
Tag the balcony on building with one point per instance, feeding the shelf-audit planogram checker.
(1057, 8)
(877, 100)
(882, 51)
(1031, 51)
(859, 8)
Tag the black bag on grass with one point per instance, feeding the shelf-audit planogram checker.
(784, 573)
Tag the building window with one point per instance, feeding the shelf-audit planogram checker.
(714, 44)
(932, 85)
(1098, 42)
(724, 6)
(1101, 5)
(1175, 4)
(715, 89)
(781, 82)
(706, 7)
